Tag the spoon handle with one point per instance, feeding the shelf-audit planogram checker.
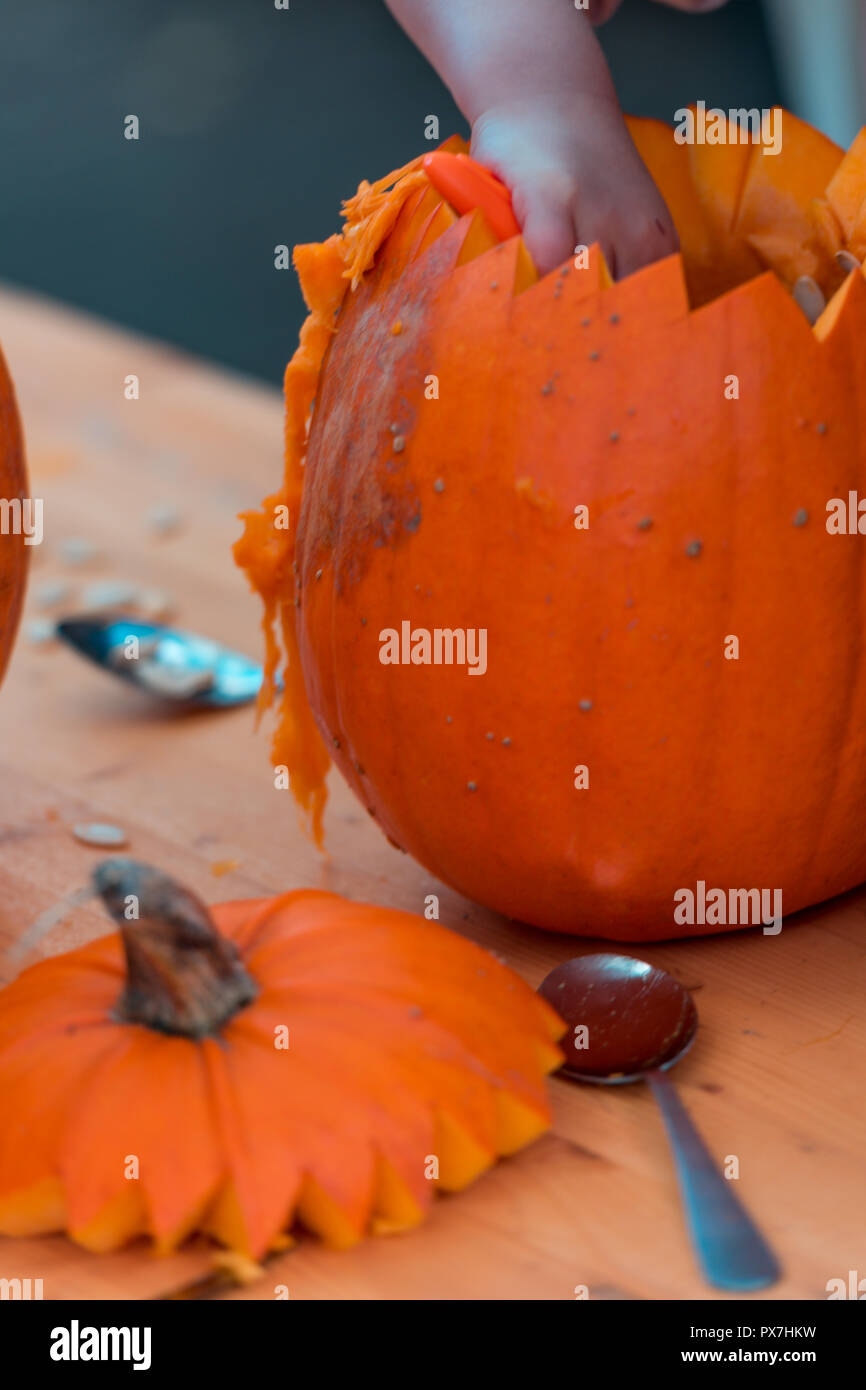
(731, 1250)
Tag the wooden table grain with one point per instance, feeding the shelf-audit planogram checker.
(776, 1078)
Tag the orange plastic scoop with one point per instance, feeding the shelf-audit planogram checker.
(467, 185)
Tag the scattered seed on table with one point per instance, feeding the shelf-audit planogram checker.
(645, 523)
(76, 550)
(801, 516)
(694, 548)
(163, 518)
(39, 631)
(439, 485)
(109, 593)
(100, 834)
(585, 705)
(52, 592)
(399, 443)
(472, 786)
(154, 603)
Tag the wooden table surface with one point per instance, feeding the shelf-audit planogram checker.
(776, 1077)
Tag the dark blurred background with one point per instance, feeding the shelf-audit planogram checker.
(254, 123)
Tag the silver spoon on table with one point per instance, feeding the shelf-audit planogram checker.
(639, 1021)
(175, 666)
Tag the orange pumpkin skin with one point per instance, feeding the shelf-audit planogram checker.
(13, 551)
(404, 1041)
(454, 508)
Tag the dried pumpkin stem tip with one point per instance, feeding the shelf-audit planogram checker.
(182, 977)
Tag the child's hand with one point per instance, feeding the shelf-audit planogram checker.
(532, 80)
(575, 178)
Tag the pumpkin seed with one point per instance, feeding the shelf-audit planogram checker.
(848, 261)
(109, 593)
(75, 550)
(100, 834)
(41, 630)
(155, 604)
(52, 592)
(810, 297)
(163, 518)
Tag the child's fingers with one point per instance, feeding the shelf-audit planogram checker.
(633, 232)
(548, 230)
(643, 242)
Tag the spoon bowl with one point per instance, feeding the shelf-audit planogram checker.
(636, 1017)
(174, 666)
(631, 1021)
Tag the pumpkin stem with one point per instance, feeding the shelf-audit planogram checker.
(182, 976)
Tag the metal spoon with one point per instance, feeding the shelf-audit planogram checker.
(176, 666)
(638, 1022)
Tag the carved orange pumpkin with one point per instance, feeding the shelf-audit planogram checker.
(624, 487)
(311, 1058)
(13, 486)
